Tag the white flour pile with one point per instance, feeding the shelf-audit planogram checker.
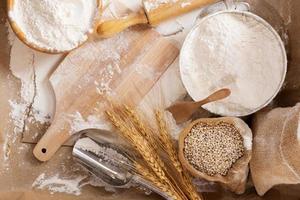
(54, 24)
(236, 51)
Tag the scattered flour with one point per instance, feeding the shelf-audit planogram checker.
(146, 71)
(184, 4)
(153, 4)
(22, 66)
(18, 114)
(78, 123)
(107, 74)
(174, 128)
(36, 96)
(237, 51)
(56, 184)
(54, 24)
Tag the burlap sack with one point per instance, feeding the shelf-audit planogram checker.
(276, 148)
(236, 178)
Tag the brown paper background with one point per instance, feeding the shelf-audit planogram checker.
(18, 173)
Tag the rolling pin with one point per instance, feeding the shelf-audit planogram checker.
(153, 13)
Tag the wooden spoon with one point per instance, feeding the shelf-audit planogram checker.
(182, 111)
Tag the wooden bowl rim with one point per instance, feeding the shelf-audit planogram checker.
(19, 33)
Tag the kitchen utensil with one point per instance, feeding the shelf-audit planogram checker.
(113, 172)
(153, 13)
(182, 111)
(124, 67)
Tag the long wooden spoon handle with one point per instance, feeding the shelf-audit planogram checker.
(109, 28)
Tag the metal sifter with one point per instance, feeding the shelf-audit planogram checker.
(228, 79)
(99, 153)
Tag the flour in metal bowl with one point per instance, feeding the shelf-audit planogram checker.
(235, 50)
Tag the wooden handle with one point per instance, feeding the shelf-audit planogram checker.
(218, 95)
(109, 28)
(50, 143)
(183, 111)
(164, 11)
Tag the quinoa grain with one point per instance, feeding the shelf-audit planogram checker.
(213, 148)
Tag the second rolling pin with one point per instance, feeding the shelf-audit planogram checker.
(153, 13)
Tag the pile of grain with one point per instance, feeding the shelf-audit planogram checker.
(213, 149)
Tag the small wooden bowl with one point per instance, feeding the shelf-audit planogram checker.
(20, 34)
(237, 174)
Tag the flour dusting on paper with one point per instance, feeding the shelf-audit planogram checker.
(32, 68)
(57, 184)
(17, 114)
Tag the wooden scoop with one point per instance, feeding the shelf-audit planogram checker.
(153, 13)
(182, 111)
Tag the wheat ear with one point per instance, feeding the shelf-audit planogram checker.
(145, 131)
(139, 124)
(167, 142)
(144, 149)
(148, 175)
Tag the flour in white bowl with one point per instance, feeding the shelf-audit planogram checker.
(235, 50)
(59, 25)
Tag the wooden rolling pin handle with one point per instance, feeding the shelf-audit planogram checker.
(49, 144)
(109, 28)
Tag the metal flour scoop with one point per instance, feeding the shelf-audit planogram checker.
(99, 153)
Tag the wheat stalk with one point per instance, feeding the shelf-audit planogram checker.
(145, 150)
(167, 142)
(141, 144)
(143, 139)
(146, 131)
(131, 114)
(148, 175)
